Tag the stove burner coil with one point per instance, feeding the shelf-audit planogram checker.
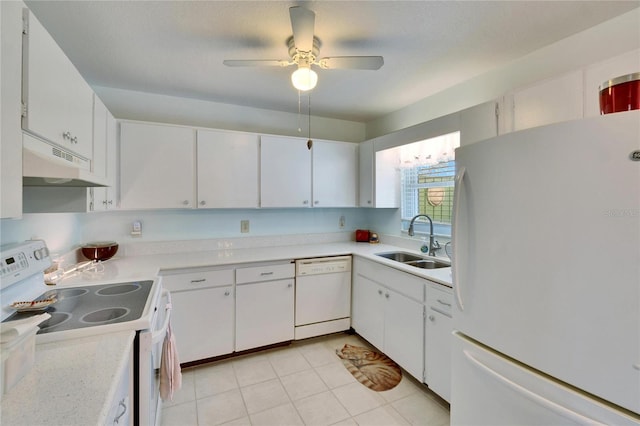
(105, 315)
(118, 289)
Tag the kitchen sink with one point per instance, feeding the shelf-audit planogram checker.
(427, 264)
(413, 260)
(400, 256)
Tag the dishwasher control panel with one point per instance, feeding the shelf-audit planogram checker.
(323, 265)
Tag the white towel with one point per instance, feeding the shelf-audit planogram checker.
(170, 372)
(9, 331)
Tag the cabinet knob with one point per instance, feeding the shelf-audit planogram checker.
(380, 292)
(316, 202)
(226, 293)
(386, 295)
(104, 202)
(203, 202)
(74, 139)
(305, 202)
(289, 285)
(368, 201)
(66, 135)
(110, 202)
(185, 202)
(432, 318)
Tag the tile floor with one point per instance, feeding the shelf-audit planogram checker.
(304, 383)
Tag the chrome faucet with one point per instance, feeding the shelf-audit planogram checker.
(432, 247)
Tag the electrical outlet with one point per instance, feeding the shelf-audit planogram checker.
(244, 226)
(136, 229)
(341, 222)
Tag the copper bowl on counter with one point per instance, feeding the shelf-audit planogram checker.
(100, 250)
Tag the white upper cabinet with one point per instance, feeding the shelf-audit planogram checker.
(227, 169)
(10, 132)
(58, 102)
(335, 174)
(387, 178)
(157, 167)
(106, 198)
(479, 122)
(294, 175)
(551, 101)
(365, 174)
(99, 163)
(285, 172)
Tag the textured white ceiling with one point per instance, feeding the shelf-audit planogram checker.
(177, 47)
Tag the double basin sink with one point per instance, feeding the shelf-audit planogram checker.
(413, 260)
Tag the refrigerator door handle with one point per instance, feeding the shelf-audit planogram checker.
(539, 399)
(457, 189)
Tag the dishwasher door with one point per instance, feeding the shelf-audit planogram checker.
(323, 290)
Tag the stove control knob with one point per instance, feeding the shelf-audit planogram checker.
(40, 253)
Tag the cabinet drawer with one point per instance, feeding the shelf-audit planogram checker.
(402, 282)
(265, 273)
(191, 280)
(440, 299)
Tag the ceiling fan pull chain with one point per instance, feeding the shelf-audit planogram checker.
(299, 114)
(309, 142)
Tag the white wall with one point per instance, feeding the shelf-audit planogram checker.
(63, 231)
(599, 43)
(132, 105)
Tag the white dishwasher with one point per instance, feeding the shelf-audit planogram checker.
(323, 296)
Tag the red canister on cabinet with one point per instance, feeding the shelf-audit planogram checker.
(362, 235)
(620, 94)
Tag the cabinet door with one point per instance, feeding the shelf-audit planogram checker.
(552, 101)
(285, 172)
(387, 178)
(59, 102)
(437, 340)
(404, 332)
(264, 313)
(202, 320)
(227, 169)
(335, 174)
(367, 313)
(438, 353)
(365, 171)
(156, 166)
(10, 131)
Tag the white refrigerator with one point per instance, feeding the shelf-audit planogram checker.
(546, 276)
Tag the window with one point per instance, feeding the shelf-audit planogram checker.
(427, 170)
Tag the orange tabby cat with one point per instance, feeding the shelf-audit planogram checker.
(375, 371)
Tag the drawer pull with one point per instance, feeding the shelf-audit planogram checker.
(124, 406)
(201, 280)
(264, 274)
(442, 302)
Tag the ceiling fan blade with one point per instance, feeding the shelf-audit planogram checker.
(256, 63)
(302, 23)
(352, 62)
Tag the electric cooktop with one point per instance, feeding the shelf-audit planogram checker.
(82, 307)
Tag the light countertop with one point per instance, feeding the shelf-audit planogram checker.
(72, 382)
(148, 266)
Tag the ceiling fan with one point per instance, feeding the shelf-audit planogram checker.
(304, 49)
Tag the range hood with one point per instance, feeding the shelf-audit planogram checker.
(44, 164)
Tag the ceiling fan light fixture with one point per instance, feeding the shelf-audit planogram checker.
(304, 78)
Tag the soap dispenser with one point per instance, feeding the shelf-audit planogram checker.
(425, 246)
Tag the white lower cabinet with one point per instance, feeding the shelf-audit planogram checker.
(121, 408)
(203, 311)
(388, 311)
(264, 305)
(437, 340)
